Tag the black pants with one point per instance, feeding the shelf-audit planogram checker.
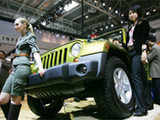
(139, 81)
(156, 89)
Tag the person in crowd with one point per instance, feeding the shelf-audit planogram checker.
(138, 33)
(13, 88)
(117, 42)
(153, 58)
(2, 56)
(3, 74)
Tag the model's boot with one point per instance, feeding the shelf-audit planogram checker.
(14, 111)
(5, 109)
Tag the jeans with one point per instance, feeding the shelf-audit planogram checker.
(138, 80)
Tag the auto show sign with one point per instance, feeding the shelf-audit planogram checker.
(8, 39)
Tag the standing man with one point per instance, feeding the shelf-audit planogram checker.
(153, 58)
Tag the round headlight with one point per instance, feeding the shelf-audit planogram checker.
(76, 49)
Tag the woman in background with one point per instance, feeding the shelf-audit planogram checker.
(153, 58)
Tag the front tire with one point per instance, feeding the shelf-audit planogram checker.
(115, 96)
(47, 107)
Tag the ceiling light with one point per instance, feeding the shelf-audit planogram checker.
(147, 13)
(112, 25)
(110, 8)
(103, 4)
(122, 15)
(44, 23)
(86, 16)
(106, 27)
(35, 28)
(116, 11)
(61, 8)
(95, 1)
(101, 29)
(71, 6)
(154, 10)
(122, 22)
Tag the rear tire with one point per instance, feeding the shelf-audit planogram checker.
(115, 95)
(47, 107)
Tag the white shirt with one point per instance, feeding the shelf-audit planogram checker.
(130, 43)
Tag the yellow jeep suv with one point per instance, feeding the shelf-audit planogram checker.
(98, 68)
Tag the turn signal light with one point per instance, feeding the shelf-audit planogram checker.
(107, 46)
(75, 60)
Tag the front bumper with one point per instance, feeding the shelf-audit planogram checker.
(67, 79)
(69, 72)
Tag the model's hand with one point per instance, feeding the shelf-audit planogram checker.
(144, 46)
(41, 72)
(144, 57)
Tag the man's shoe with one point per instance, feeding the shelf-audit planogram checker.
(140, 113)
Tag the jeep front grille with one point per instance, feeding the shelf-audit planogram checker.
(54, 58)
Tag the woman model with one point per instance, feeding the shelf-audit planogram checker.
(137, 36)
(13, 88)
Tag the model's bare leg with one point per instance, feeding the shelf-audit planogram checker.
(4, 98)
(5, 103)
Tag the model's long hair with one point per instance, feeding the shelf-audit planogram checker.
(29, 26)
